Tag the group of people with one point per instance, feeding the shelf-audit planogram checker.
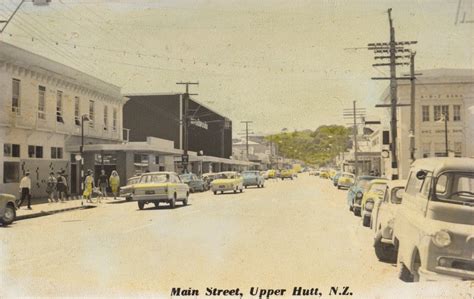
(57, 187)
(103, 182)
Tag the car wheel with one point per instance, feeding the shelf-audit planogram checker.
(215, 192)
(338, 187)
(356, 212)
(222, 192)
(235, 190)
(185, 201)
(366, 221)
(157, 204)
(385, 252)
(245, 187)
(8, 216)
(141, 204)
(404, 274)
(173, 202)
(241, 190)
(350, 208)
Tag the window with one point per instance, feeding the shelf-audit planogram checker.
(437, 113)
(414, 184)
(445, 111)
(440, 149)
(426, 149)
(456, 112)
(458, 149)
(106, 117)
(11, 172)
(16, 96)
(91, 114)
(114, 119)
(59, 107)
(35, 151)
(11, 150)
(157, 159)
(142, 159)
(77, 111)
(425, 113)
(56, 152)
(41, 102)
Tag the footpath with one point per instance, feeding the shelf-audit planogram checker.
(45, 209)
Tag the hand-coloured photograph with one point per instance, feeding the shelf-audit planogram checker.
(237, 149)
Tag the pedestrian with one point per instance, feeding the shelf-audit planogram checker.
(25, 190)
(51, 187)
(88, 186)
(103, 182)
(61, 187)
(114, 183)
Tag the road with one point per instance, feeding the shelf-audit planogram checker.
(289, 234)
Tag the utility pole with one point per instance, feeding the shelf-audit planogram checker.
(247, 122)
(353, 114)
(185, 122)
(412, 106)
(393, 49)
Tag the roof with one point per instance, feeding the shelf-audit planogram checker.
(378, 181)
(32, 61)
(442, 163)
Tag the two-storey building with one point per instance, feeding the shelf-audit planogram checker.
(42, 103)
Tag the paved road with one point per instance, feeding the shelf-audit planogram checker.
(289, 234)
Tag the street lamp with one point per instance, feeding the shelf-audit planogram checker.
(84, 118)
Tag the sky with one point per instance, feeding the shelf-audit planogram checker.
(281, 64)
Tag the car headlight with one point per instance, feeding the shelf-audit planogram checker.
(359, 195)
(369, 205)
(442, 238)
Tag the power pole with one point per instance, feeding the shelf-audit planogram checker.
(185, 122)
(392, 49)
(247, 122)
(412, 105)
(354, 114)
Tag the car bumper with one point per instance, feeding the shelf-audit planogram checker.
(426, 275)
(150, 197)
(366, 213)
(219, 188)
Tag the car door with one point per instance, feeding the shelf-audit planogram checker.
(181, 188)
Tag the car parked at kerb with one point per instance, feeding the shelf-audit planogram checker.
(356, 192)
(434, 224)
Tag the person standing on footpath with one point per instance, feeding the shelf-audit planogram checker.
(61, 187)
(51, 187)
(88, 186)
(114, 183)
(103, 182)
(25, 189)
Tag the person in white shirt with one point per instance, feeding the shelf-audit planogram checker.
(25, 190)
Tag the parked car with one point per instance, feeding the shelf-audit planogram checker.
(287, 174)
(271, 174)
(156, 187)
(346, 180)
(324, 173)
(314, 172)
(375, 193)
(383, 217)
(227, 181)
(127, 190)
(356, 192)
(253, 178)
(434, 224)
(7, 209)
(264, 174)
(336, 177)
(193, 181)
(208, 178)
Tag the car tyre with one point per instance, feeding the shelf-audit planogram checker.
(385, 252)
(8, 216)
(215, 192)
(241, 190)
(404, 274)
(141, 204)
(185, 201)
(356, 212)
(173, 202)
(156, 203)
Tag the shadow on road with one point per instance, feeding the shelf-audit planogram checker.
(151, 207)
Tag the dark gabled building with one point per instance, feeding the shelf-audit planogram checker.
(160, 115)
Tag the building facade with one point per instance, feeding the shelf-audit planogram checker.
(439, 92)
(42, 103)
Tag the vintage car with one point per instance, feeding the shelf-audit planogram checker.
(324, 173)
(375, 193)
(264, 174)
(314, 172)
(287, 174)
(383, 216)
(434, 224)
(346, 180)
(193, 181)
(7, 209)
(356, 192)
(253, 178)
(335, 179)
(228, 181)
(127, 190)
(156, 187)
(208, 178)
(271, 174)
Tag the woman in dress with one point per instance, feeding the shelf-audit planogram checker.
(88, 186)
(51, 187)
(114, 181)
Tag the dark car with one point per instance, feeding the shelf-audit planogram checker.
(194, 182)
(356, 192)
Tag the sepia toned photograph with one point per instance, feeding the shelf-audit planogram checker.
(237, 149)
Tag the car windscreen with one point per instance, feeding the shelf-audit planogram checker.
(132, 181)
(347, 176)
(363, 183)
(249, 173)
(186, 177)
(455, 187)
(154, 178)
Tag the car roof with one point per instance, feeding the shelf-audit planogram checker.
(134, 177)
(442, 163)
(378, 181)
(159, 172)
(227, 172)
